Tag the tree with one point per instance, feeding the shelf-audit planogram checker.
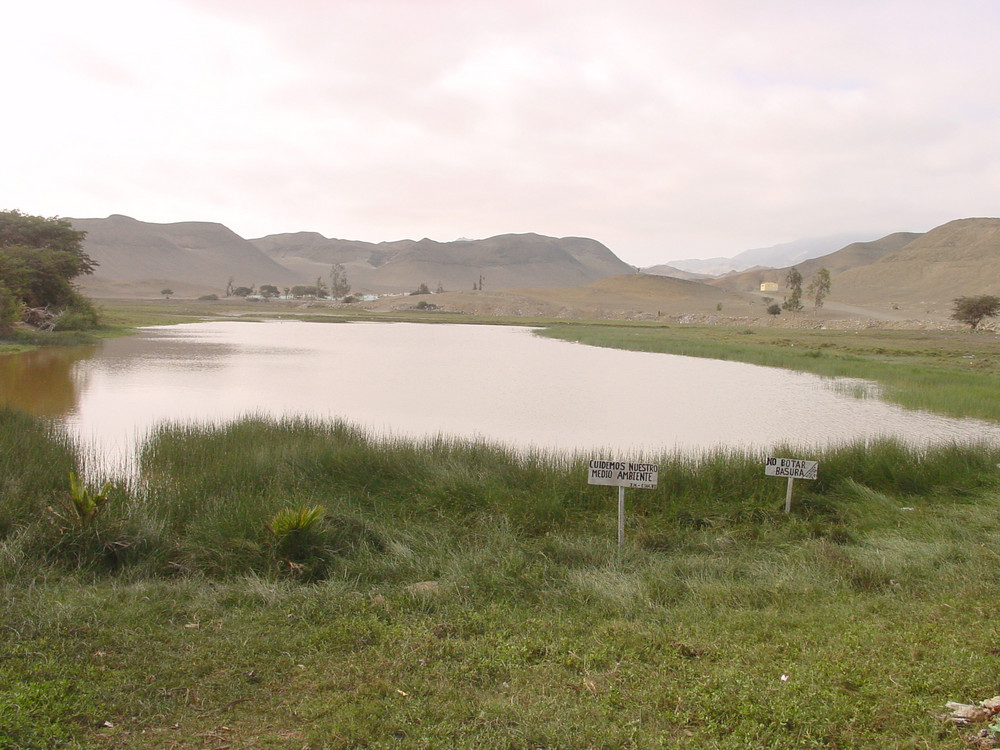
(167, 292)
(10, 308)
(972, 310)
(339, 287)
(819, 287)
(302, 290)
(422, 289)
(39, 259)
(269, 290)
(793, 302)
(774, 309)
(320, 287)
(243, 291)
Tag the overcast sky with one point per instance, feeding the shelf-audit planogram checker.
(665, 129)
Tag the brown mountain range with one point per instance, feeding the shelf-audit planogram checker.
(201, 257)
(507, 261)
(905, 274)
(902, 275)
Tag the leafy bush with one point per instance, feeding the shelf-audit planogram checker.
(80, 315)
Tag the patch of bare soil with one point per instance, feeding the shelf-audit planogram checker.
(724, 309)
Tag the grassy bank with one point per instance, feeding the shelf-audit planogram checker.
(948, 372)
(461, 595)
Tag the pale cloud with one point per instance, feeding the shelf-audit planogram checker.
(664, 129)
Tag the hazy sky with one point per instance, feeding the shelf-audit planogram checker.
(664, 129)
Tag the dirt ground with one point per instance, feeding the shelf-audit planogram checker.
(632, 298)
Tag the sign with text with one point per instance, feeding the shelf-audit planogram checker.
(793, 468)
(623, 474)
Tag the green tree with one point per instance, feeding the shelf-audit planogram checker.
(10, 309)
(243, 291)
(793, 302)
(39, 260)
(972, 310)
(167, 292)
(819, 287)
(269, 290)
(339, 286)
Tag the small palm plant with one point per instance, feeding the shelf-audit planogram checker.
(82, 505)
(298, 540)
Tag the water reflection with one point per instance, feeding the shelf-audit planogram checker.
(43, 382)
(499, 383)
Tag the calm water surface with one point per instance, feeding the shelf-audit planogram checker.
(500, 383)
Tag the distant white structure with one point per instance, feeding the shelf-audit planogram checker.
(769, 286)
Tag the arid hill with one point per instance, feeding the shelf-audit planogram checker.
(198, 256)
(903, 274)
(138, 258)
(855, 254)
(507, 261)
(667, 270)
(957, 259)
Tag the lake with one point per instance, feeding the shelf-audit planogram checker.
(499, 383)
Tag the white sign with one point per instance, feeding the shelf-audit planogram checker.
(623, 474)
(793, 468)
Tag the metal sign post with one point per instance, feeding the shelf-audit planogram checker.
(793, 468)
(622, 474)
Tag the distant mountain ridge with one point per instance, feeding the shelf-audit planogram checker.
(506, 261)
(206, 256)
(903, 275)
(775, 256)
(905, 272)
(194, 252)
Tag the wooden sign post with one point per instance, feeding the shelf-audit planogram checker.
(793, 468)
(622, 474)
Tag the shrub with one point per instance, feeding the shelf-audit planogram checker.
(80, 315)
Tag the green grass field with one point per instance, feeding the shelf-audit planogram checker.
(453, 594)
